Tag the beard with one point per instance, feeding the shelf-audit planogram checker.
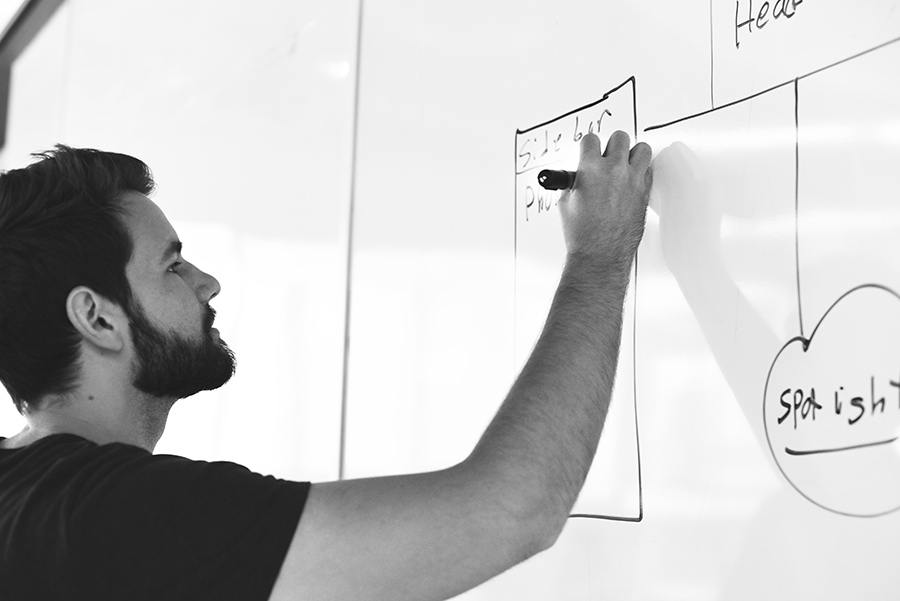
(168, 365)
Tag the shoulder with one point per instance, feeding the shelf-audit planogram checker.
(89, 511)
(71, 467)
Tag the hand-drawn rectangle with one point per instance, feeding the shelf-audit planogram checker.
(613, 487)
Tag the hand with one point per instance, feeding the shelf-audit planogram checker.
(603, 216)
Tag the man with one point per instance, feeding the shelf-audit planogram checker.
(104, 325)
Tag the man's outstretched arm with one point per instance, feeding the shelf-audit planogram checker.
(435, 535)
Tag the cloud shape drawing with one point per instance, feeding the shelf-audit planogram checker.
(831, 408)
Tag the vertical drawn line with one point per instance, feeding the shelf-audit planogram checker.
(637, 438)
(797, 196)
(350, 220)
(515, 253)
(712, 98)
(634, 370)
(634, 104)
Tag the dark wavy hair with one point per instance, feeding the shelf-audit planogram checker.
(60, 227)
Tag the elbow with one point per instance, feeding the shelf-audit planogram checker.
(540, 526)
(521, 515)
(517, 531)
(549, 532)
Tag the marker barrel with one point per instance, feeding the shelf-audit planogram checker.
(552, 179)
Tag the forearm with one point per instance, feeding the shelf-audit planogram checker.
(540, 445)
(434, 535)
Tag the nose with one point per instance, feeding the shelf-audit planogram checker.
(208, 287)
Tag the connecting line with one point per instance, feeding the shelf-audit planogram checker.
(797, 196)
(712, 70)
(774, 87)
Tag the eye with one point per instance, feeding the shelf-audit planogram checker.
(174, 266)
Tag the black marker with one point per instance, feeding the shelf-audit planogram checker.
(551, 179)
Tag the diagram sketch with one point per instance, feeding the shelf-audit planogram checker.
(772, 232)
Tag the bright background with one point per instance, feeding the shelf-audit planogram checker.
(244, 113)
(294, 194)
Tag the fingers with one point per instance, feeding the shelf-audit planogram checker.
(640, 156)
(617, 149)
(618, 145)
(590, 147)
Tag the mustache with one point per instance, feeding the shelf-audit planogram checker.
(209, 317)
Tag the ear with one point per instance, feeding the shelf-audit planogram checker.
(100, 321)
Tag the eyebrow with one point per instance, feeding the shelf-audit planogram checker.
(174, 248)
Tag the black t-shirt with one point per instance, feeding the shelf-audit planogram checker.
(85, 521)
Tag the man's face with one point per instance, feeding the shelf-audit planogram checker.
(170, 365)
(177, 351)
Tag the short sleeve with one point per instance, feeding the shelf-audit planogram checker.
(163, 527)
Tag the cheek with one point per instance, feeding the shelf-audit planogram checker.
(172, 306)
(182, 310)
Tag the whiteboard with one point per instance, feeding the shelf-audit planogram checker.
(768, 269)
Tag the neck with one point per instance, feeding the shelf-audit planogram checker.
(138, 421)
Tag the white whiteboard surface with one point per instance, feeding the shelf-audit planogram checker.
(774, 196)
(774, 217)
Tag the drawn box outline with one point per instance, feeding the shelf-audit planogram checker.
(517, 172)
